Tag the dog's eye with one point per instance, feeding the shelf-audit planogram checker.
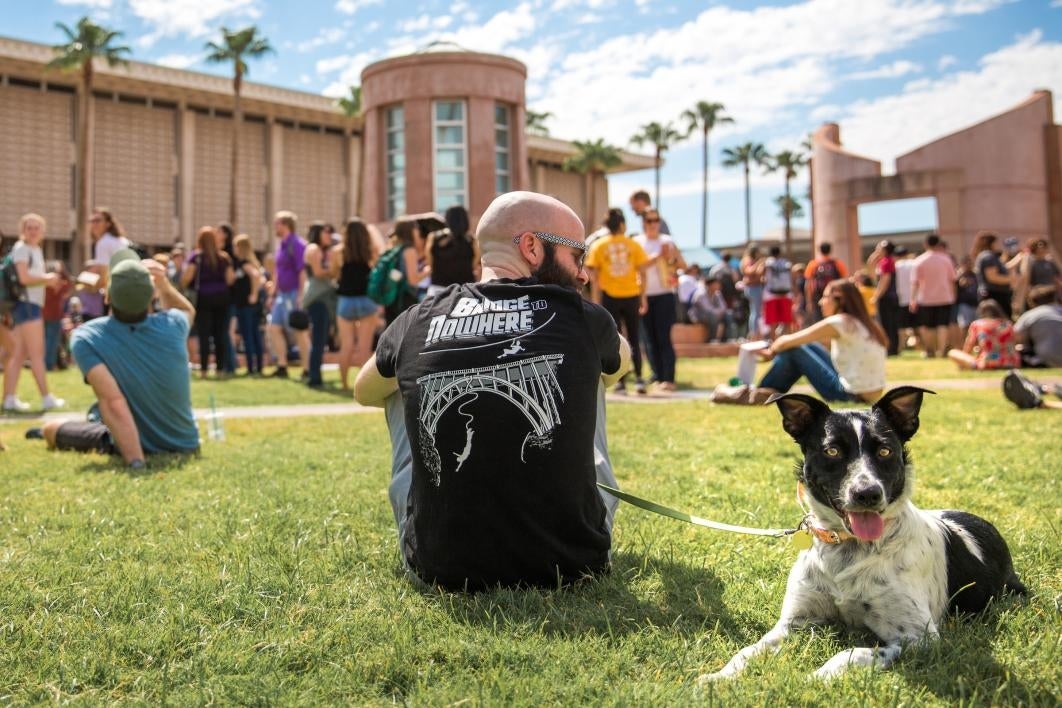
(831, 451)
(884, 452)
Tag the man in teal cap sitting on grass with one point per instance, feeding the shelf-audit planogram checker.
(137, 364)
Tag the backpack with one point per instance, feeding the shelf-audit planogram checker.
(779, 279)
(11, 290)
(825, 272)
(386, 279)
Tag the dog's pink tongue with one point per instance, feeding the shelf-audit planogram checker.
(866, 525)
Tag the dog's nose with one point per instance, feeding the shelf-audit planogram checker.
(868, 497)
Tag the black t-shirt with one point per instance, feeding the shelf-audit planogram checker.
(499, 382)
(241, 287)
(989, 259)
(451, 259)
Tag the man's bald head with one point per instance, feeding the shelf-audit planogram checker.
(514, 213)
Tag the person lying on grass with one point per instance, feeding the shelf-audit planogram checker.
(494, 394)
(852, 370)
(137, 365)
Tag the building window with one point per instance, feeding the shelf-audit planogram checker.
(502, 147)
(450, 140)
(396, 162)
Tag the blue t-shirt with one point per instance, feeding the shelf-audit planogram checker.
(149, 360)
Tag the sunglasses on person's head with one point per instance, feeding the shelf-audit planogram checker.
(95, 219)
(560, 241)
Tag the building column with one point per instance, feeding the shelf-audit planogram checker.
(354, 176)
(275, 144)
(185, 175)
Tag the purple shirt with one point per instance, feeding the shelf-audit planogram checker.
(289, 262)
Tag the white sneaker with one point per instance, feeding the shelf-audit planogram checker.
(11, 403)
(49, 402)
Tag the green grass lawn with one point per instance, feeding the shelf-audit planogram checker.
(236, 391)
(265, 571)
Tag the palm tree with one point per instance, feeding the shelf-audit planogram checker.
(85, 44)
(745, 155)
(706, 116)
(788, 207)
(661, 137)
(351, 103)
(351, 107)
(789, 163)
(535, 122)
(593, 157)
(235, 46)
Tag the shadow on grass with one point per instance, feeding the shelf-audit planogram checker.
(966, 645)
(640, 594)
(156, 464)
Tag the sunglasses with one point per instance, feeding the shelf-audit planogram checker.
(560, 241)
(651, 221)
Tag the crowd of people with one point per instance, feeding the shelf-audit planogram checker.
(307, 297)
(545, 305)
(996, 307)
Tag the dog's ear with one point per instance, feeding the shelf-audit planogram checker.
(799, 412)
(900, 407)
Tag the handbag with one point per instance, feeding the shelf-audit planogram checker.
(299, 320)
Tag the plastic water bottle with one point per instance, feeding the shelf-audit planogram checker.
(215, 422)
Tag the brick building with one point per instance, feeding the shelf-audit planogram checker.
(441, 126)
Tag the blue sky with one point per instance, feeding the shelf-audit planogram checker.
(894, 73)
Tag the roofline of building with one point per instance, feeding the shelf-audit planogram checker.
(444, 57)
(35, 53)
(549, 149)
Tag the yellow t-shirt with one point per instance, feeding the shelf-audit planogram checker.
(617, 260)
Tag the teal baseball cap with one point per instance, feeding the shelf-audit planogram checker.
(131, 288)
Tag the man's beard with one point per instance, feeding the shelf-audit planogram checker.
(550, 272)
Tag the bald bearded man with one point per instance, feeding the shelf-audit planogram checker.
(494, 394)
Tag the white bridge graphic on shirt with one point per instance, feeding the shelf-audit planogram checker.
(529, 384)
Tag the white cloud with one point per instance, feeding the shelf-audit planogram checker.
(193, 18)
(424, 22)
(1056, 3)
(890, 126)
(462, 8)
(328, 35)
(764, 64)
(349, 7)
(949, 60)
(501, 33)
(894, 70)
(179, 61)
(99, 4)
(350, 67)
(977, 7)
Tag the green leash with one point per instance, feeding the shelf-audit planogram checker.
(800, 536)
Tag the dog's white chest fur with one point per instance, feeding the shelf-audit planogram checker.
(891, 586)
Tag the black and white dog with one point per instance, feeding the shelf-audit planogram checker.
(876, 562)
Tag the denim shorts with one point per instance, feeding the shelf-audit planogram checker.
(283, 305)
(25, 312)
(355, 307)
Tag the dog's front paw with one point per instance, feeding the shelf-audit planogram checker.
(721, 675)
(842, 661)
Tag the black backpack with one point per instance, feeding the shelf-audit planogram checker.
(825, 272)
(11, 290)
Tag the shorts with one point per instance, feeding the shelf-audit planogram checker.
(85, 437)
(25, 312)
(355, 307)
(934, 315)
(778, 311)
(904, 318)
(283, 305)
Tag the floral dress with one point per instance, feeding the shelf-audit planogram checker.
(994, 342)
